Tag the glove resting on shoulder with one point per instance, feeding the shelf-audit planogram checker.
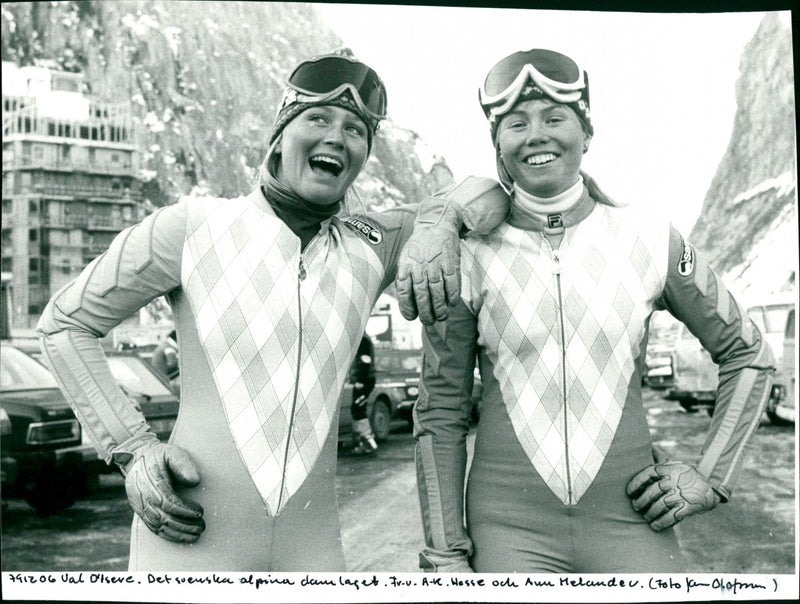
(429, 267)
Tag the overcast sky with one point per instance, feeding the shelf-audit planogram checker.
(662, 86)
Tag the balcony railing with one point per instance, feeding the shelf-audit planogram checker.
(108, 223)
(94, 249)
(69, 248)
(65, 222)
(18, 163)
(87, 191)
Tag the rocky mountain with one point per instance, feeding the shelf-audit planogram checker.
(204, 79)
(748, 225)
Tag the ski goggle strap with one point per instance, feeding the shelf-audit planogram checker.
(555, 75)
(328, 77)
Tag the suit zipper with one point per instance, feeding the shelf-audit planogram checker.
(556, 258)
(301, 275)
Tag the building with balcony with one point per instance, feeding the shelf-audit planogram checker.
(69, 181)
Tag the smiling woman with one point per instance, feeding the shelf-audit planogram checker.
(555, 306)
(270, 295)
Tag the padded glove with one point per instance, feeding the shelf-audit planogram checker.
(666, 493)
(428, 280)
(149, 467)
(444, 562)
(429, 267)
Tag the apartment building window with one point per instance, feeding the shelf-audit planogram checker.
(33, 235)
(33, 271)
(33, 207)
(8, 206)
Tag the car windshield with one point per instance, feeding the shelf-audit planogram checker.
(388, 362)
(776, 318)
(770, 318)
(18, 371)
(135, 376)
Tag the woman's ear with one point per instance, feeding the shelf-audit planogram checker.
(587, 138)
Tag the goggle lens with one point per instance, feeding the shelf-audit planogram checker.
(324, 75)
(552, 65)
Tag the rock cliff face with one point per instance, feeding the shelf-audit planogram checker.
(204, 78)
(748, 226)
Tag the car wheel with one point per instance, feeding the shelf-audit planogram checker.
(380, 420)
(47, 499)
(774, 418)
(688, 405)
(55, 490)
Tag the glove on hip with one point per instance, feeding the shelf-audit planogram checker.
(150, 467)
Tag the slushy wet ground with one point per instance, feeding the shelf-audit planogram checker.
(381, 523)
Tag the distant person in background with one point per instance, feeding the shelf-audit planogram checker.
(362, 376)
(165, 357)
(270, 295)
(555, 304)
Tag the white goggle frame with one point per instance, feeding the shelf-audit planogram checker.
(558, 91)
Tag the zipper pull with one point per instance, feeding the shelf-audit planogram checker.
(556, 262)
(302, 269)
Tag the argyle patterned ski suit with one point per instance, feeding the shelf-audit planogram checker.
(267, 334)
(558, 320)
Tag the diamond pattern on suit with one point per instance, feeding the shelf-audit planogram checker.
(279, 345)
(563, 329)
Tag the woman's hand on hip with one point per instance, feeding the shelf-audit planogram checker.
(666, 493)
(149, 476)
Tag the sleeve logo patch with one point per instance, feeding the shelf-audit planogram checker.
(370, 232)
(686, 262)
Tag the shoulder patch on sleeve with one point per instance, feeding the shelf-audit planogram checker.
(369, 231)
(687, 259)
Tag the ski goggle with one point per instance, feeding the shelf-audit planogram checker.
(329, 76)
(556, 75)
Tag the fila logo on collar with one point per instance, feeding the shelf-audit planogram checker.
(370, 232)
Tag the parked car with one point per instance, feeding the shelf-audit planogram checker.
(45, 445)
(47, 457)
(8, 463)
(396, 390)
(770, 316)
(155, 397)
(781, 404)
(659, 373)
(696, 375)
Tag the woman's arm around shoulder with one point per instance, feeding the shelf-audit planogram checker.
(441, 424)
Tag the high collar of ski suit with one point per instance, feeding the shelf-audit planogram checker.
(553, 223)
(301, 216)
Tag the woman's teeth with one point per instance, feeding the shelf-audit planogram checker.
(329, 164)
(537, 160)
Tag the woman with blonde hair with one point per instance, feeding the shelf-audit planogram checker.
(270, 294)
